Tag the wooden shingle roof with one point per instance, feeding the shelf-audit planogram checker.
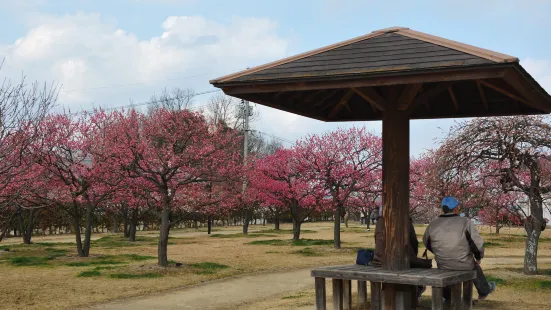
(387, 50)
(353, 80)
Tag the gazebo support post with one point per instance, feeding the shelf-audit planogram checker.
(395, 195)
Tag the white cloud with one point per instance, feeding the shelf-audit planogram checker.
(89, 54)
(84, 51)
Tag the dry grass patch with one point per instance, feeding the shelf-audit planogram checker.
(58, 287)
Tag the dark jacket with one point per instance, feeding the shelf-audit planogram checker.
(380, 242)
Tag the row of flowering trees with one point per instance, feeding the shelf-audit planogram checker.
(334, 172)
(170, 164)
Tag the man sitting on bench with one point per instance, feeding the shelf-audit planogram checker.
(454, 240)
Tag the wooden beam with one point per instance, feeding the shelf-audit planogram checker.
(395, 194)
(321, 303)
(482, 95)
(325, 97)
(338, 294)
(312, 96)
(370, 95)
(277, 95)
(429, 94)
(437, 298)
(347, 294)
(519, 83)
(407, 96)
(428, 77)
(375, 295)
(454, 99)
(344, 101)
(505, 92)
(468, 295)
(362, 294)
(456, 300)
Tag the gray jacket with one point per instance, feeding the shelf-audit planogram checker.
(454, 240)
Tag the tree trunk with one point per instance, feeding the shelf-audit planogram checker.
(163, 237)
(246, 216)
(531, 251)
(126, 222)
(209, 224)
(498, 227)
(88, 232)
(27, 236)
(276, 221)
(115, 224)
(533, 225)
(8, 224)
(76, 223)
(337, 228)
(368, 218)
(346, 218)
(133, 225)
(296, 230)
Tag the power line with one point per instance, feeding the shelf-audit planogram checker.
(197, 107)
(132, 84)
(274, 137)
(133, 105)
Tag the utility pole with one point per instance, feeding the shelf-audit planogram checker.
(246, 114)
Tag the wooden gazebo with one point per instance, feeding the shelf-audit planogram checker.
(394, 75)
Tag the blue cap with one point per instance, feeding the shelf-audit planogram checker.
(451, 202)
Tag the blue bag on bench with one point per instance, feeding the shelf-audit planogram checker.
(365, 256)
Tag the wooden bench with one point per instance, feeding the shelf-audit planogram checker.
(437, 279)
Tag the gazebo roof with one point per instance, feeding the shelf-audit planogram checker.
(436, 77)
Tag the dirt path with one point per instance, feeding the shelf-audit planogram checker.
(221, 294)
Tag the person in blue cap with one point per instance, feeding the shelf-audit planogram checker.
(457, 245)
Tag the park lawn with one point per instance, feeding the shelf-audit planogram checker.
(50, 276)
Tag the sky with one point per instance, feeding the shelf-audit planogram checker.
(111, 53)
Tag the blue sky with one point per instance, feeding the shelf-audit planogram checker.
(96, 48)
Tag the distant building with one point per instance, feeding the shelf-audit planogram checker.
(525, 205)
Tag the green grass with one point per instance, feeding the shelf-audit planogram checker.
(307, 252)
(545, 284)
(241, 235)
(291, 297)
(135, 275)
(89, 274)
(208, 267)
(54, 253)
(308, 242)
(300, 242)
(285, 231)
(45, 243)
(94, 263)
(545, 272)
(21, 261)
(121, 241)
(111, 260)
(498, 281)
(105, 268)
(138, 258)
(492, 244)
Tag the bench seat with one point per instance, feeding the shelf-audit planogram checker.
(414, 276)
(460, 282)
